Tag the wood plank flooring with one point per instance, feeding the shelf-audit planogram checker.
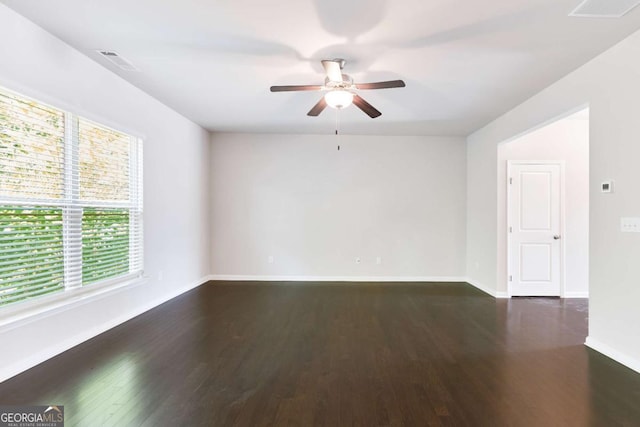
(248, 354)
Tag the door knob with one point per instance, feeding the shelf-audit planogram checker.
(556, 237)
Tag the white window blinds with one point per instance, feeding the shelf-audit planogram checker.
(70, 201)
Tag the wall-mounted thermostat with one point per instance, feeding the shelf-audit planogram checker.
(607, 187)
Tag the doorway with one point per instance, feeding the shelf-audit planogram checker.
(563, 141)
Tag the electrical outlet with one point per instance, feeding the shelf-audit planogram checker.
(379, 260)
(270, 259)
(358, 260)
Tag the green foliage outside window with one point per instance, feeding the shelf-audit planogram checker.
(105, 244)
(31, 242)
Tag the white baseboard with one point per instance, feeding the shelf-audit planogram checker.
(576, 295)
(501, 294)
(259, 278)
(622, 358)
(13, 369)
(399, 279)
(486, 289)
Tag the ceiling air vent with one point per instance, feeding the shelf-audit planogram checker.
(117, 60)
(604, 8)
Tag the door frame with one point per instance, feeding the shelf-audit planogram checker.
(561, 163)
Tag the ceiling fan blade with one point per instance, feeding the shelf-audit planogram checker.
(332, 68)
(381, 85)
(366, 107)
(318, 108)
(295, 88)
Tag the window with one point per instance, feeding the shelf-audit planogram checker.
(70, 201)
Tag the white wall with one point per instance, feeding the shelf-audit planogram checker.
(176, 156)
(610, 85)
(566, 139)
(315, 209)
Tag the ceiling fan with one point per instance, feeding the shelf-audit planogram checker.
(341, 90)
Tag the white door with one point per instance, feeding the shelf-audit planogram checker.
(534, 229)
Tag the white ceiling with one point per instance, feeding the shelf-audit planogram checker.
(465, 62)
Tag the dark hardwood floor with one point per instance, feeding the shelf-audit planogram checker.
(339, 355)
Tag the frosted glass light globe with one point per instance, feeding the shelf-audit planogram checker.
(338, 98)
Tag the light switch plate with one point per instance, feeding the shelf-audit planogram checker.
(630, 225)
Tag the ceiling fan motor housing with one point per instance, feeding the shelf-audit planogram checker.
(346, 83)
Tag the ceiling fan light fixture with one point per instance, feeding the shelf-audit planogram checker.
(339, 98)
(340, 89)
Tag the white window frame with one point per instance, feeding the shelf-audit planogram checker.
(73, 292)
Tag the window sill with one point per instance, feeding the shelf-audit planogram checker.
(29, 311)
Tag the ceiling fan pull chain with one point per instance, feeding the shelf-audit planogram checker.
(337, 127)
